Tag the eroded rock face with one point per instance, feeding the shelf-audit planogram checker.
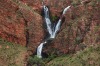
(20, 24)
(24, 26)
(81, 27)
(11, 23)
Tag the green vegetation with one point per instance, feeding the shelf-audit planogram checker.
(11, 54)
(88, 57)
(35, 61)
(54, 18)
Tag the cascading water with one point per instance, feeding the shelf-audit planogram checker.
(47, 20)
(51, 30)
(65, 10)
(39, 49)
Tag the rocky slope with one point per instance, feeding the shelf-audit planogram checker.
(88, 57)
(21, 22)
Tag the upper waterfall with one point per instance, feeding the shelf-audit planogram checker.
(66, 9)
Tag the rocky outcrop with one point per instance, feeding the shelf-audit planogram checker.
(21, 22)
(81, 27)
(11, 24)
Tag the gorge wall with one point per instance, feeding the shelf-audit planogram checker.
(21, 22)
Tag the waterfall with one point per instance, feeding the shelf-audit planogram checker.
(51, 30)
(39, 50)
(57, 28)
(47, 20)
(65, 10)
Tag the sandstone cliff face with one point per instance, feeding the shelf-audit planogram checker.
(21, 22)
(11, 24)
(80, 29)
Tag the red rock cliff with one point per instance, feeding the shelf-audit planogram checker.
(21, 22)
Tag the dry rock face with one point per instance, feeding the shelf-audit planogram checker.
(22, 23)
(11, 24)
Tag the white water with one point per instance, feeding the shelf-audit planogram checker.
(39, 50)
(66, 9)
(47, 20)
(52, 31)
(57, 28)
